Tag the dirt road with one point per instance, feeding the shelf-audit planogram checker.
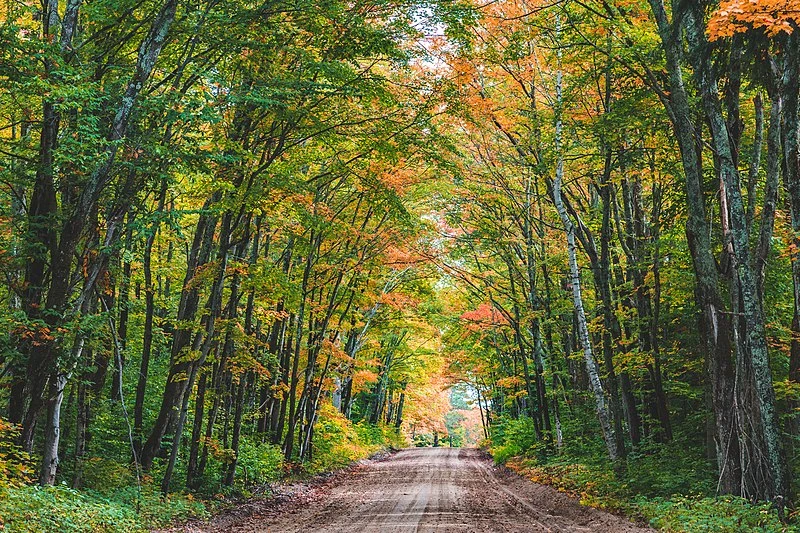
(426, 489)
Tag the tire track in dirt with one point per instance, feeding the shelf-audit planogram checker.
(424, 490)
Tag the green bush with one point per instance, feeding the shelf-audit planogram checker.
(670, 468)
(154, 510)
(512, 437)
(423, 440)
(380, 436)
(105, 475)
(667, 484)
(259, 463)
(725, 514)
(15, 469)
(338, 442)
(60, 509)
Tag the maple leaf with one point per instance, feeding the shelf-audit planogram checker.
(738, 16)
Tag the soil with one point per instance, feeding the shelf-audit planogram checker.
(420, 490)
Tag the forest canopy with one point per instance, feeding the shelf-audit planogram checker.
(245, 240)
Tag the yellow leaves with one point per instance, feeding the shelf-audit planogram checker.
(244, 361)
(268, 315)
(510, 382)
(14, 463)
(280, 390)
(738, 16)
(205, 273)
(217, 450)
(787, 390)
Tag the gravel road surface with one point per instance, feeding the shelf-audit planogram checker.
(421, 490)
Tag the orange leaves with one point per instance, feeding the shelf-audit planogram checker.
(397, 300)
(510, 382)
(362, 379)
(483, 317)
(399, 258)
(738, 16)
(203, 274)
(336, 353)
(398, 178)
(36, 335)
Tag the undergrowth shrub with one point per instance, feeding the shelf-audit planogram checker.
(105, 475)
(259, 463)
(594, 485)
(338, 442)
(15, 467)
(724, 514)
(670, 485)
(35, 509)
(512, 437)
(156, 510)
(112, 500)
(380, 436)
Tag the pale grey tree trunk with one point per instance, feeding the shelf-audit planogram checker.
(577, 298)
(52, 430)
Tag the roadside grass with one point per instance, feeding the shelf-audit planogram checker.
(669, 486)
(111, 501)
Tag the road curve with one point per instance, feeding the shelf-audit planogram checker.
(430, 490)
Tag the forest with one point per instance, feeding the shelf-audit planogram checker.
(242, 242)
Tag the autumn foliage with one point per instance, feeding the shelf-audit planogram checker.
(773, 17)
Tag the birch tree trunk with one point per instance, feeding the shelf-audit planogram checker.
(577, 298)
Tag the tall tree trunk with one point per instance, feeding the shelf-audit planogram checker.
(230, 473)
(52, 430)
(715, 323)
(577, 298)
(767, 466)
(791, 149)
(197, 430)
(124, 311)
(82, 426)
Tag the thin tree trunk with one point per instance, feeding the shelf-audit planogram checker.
(577, 298)
(197, 430)
(237, 429)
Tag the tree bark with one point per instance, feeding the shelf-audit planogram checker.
(715, 323)
(577, 298)
(766, 464)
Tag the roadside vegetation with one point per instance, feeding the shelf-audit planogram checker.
(671, 488)
(113, 500)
